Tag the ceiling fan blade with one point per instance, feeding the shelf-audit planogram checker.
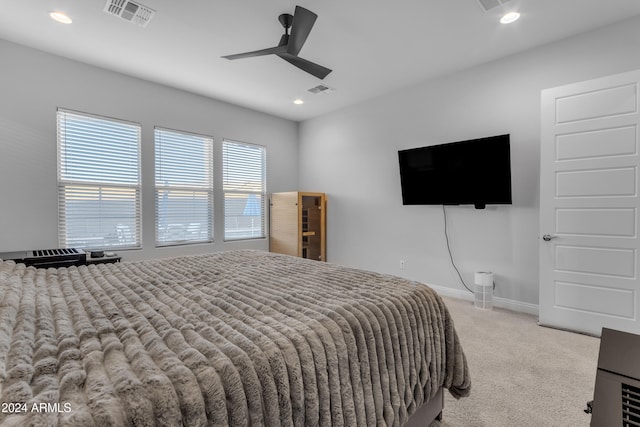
(269, 51)
(303, 21)
(317, 70)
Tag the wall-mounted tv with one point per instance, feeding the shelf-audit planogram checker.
(474, 172)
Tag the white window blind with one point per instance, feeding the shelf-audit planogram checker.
(184, 187)
(244, 182)
(98, 181)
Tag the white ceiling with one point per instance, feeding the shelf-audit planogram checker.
(373, 46)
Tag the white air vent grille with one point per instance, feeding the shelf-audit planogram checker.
(321, 89)
(130, 11)
(490, 4)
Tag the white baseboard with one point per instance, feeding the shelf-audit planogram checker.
(522, 307)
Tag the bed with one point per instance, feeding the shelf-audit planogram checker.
(240, 338)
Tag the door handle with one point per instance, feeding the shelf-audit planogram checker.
(548, 237)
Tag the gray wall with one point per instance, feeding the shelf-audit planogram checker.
(33, 84)
(352, 155)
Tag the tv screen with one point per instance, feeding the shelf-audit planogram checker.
(474, 172)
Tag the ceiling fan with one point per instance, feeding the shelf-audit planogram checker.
(290, 44)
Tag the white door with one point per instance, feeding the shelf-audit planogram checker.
(589, 203)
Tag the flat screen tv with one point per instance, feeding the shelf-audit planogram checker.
(474, 172)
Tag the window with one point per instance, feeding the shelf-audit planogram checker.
(98, 181)
(184, 187)
(244, 178)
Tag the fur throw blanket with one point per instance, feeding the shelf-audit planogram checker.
(241, 338)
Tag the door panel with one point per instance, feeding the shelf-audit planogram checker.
(596, 183)
(583, 145)
(597, 300)
(589, 205)
(606, 102)
(591, 260)
(596, 222)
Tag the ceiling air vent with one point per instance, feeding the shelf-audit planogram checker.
(490, 4)
(130, 11)
(321, 89)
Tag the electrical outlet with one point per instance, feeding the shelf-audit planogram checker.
(402, 264)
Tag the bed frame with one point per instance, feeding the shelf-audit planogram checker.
(428, 412)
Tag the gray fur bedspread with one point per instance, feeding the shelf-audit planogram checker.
(242, 338)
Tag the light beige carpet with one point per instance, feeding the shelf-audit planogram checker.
(521, 374)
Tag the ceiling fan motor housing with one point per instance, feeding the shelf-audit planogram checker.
(286, 19)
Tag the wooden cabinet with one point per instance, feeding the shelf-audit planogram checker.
(298, 224)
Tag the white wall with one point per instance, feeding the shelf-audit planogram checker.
(33, 84)
(352, 155)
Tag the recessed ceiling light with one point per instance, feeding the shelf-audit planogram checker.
(60, 17)
(510, 17)
(298, 101)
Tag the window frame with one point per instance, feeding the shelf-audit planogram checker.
(262, 193)
(208, 188)
(68, 188)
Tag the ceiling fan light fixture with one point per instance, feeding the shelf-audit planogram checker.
(60, 17)
(510, 17)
